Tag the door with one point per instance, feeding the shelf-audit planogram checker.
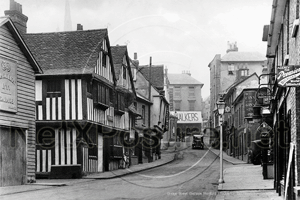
(12, 156)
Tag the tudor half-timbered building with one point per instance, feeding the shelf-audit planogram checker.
(80, 117)
(125, 95)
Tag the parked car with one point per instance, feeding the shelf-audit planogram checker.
(197, 142)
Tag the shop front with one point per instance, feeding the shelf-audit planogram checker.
(189, 123)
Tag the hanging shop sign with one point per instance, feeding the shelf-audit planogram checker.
(288, 76)
(188, 116)
(249, 101)
(8, 85)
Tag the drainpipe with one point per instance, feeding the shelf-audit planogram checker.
(149, 112)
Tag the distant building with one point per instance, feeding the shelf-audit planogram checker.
(153, 106)
(232, 67)
(239, 128)
(186, 102)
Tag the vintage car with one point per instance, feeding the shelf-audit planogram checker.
(197, 142)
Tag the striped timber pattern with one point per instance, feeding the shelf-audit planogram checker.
(57, 108)
(64, 151)
(90, 163)
(98, 115)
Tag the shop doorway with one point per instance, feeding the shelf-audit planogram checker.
(13, 156)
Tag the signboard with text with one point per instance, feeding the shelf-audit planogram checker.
(249, 101)
(288, 76)
(188, 117)
(8, 85)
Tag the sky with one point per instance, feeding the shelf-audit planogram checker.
(183, 35)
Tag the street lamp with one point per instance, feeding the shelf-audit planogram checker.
(221, 109)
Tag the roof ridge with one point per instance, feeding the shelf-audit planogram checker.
(75, 31)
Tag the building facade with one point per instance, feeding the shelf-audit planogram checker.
(85, 105)
(230, 68)
(282, 37)
(186, 103)
(153, 106)
(239, 128)
(17, 107)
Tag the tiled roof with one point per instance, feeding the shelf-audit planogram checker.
(6, 21)
(242, 56)
(240, 81)
(118, 53)
(73, 52)
(183, 79)
(157, 74)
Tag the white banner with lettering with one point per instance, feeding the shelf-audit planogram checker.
(188, 117)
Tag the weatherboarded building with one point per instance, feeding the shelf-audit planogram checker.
(18, 68)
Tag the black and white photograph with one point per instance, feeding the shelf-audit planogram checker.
(149, 99)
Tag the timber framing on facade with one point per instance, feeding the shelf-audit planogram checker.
(82, 104)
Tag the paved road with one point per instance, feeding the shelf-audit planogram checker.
(193, 176)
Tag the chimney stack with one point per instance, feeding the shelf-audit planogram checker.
(79, 27)
(15, 14)
(231, 47)
(186, 72)
(135, 56)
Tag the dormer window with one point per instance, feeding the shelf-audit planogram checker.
(244, 72)
(104, 54)
(124, 72)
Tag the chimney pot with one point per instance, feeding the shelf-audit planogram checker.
(19, 8)
(135, 56)
(12, 5)
(79, 27)
(19, 19)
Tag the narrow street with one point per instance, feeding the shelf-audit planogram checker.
(194, 175)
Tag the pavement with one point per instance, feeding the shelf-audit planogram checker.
(242, 180)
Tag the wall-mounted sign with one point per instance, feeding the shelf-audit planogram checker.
(249, 101)
(8, 85)
(188, 117)
(288, 76)
(227, 109)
